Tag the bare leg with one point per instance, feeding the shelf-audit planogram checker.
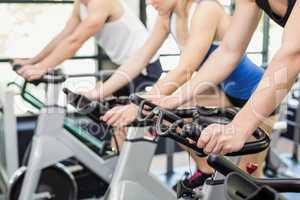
(219, 99)
(215, 98)
(120, 135)
(260, 157)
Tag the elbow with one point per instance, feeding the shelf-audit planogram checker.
(183, 75)
(231, 52)
(289, 49)
(74, 43)
(288, 55)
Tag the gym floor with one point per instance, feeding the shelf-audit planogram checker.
(183, 164)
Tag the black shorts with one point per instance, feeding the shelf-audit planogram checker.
(236, 102)
(154, 70)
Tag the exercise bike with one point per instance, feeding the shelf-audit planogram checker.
(237, 181)
(132, 181)
(46, 178)
(286, 165)
(9, 161)
(239, 185)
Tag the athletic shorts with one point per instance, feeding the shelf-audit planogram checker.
(138, 84)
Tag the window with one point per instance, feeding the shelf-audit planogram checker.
(28, 27)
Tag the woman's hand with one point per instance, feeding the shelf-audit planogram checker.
(121, 115)
(32, 72)
(222, 139)
(168, 102)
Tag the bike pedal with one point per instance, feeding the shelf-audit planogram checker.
(183, 191)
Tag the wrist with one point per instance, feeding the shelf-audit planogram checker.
(95, 94)
(41, 67)
(241, 128)
(169, 102)
(34, 61)
(174, 102)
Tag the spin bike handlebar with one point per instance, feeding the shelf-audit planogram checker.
(182, 131)
(93, 109)
(192, 131)
(56, 76)
(238, 181)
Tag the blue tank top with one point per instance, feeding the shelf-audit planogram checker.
(242, 82)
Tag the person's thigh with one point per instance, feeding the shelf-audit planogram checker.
(218, 98)
(214, 97)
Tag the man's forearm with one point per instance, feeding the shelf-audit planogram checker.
(65, 50)
(173, 80)
(215, 70)
(123, 76)
(49, 48)
(275, 84)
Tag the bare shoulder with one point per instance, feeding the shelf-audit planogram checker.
(246, 2)
(102, 4)
(208, 8)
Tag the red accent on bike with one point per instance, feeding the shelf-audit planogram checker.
(251, 168)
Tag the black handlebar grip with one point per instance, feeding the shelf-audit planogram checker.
(169, 116)
(35, 82)
(224, 166)
(136, 99)
(16, 67)
(94, 110)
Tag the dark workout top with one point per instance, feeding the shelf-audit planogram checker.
(264, 5)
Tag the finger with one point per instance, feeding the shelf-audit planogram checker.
(132, 117)
(28, 73)
(218, 148)
(22, 69)
(24, 74)
(204, 138)
(227, 149)
(210, 145)
(113, 119)
(121, 122)
(33, 77)
(109, 114)
(127, 119)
